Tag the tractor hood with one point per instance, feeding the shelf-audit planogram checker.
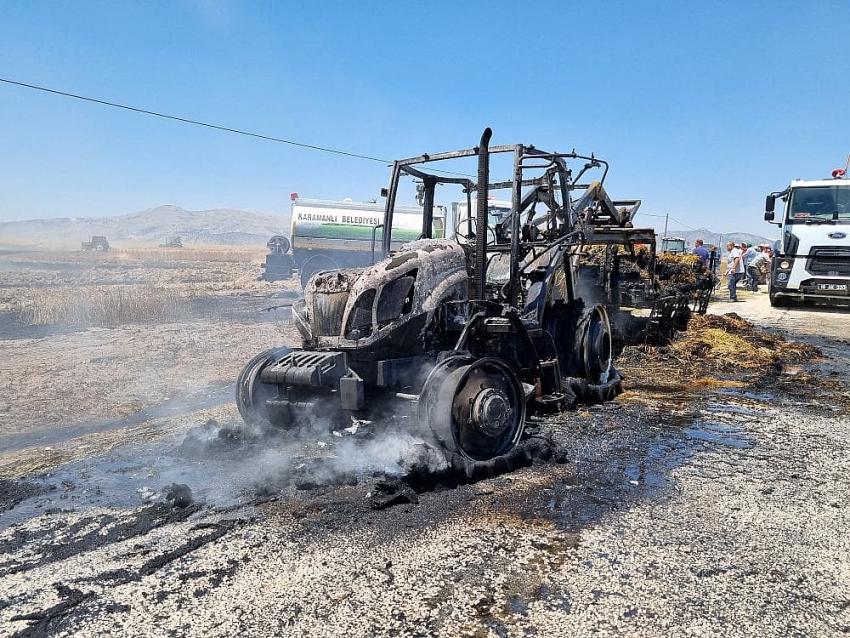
(353, 307)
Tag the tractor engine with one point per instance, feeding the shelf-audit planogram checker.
(367, 334)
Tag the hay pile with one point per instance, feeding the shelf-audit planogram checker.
(677, 270)
(730, 340)
(675, 275)
(594, 255)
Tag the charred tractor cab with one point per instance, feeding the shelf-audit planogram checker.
(465, 338)
(812, 258)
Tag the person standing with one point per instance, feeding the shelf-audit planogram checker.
(734, 269)
(754, 269)
(747, 255)
(701, 251)
(713, 259)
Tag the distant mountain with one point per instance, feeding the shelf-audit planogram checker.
(217, 226)
(710, 237)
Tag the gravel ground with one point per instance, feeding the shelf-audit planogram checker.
(724, 516)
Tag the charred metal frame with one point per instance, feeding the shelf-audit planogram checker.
(592, 219)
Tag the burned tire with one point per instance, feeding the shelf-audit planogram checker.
(594, 344)
(475, 407)
(315, 264)
(252, 393)
(583, 339)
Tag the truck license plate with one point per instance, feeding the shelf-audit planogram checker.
(841, 287)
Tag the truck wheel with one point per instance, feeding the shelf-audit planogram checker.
(316, 264)
(779, 302)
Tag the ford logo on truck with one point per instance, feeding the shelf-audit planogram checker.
(837, 235)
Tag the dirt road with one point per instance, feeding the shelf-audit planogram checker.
(724, 513)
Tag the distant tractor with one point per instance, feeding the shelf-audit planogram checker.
(278, 260)
(673, 245)
(172, 242)
(97, 243)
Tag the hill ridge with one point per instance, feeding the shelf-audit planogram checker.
(231, 226)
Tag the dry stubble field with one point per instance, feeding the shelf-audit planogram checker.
(87, 339)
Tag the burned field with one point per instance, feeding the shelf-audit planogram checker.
(708, 497)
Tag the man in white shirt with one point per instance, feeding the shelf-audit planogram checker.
(734, 269)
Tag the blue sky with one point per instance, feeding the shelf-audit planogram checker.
(701, 108)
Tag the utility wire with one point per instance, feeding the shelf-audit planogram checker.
(679, 221)
(217, 127)
(673, 219)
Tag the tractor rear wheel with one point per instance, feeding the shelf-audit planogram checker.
(593, 344)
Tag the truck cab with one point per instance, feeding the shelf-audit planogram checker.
(812, 256)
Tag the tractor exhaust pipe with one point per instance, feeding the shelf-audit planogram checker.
(480, 258)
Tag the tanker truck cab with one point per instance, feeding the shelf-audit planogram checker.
(812, 260)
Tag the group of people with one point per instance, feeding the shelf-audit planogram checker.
(745, 262)
(742, 261)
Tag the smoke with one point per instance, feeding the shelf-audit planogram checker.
(237, 462)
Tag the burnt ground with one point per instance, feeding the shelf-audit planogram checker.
(714, 509)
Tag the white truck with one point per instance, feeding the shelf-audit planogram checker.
(812, 258)
(330, 234)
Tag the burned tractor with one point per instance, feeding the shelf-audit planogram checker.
(464, 339)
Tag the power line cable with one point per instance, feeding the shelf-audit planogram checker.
(679, 221)
(185, 120)
(218, 127)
